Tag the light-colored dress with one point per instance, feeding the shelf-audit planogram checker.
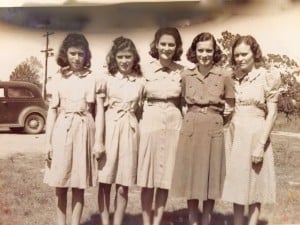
(200, 160)
(159, 126)
(73, 164)
(123, 97)
(245, 182)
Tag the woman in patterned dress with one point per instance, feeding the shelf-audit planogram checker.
(160, 123)
(200, 160)
(122, 90)
(250, 177)
(70, 130)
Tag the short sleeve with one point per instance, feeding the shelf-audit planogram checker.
(54, 93)
(272, 86)
(101, 82)
(229, 87)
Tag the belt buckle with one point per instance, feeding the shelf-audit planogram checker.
(204, 110)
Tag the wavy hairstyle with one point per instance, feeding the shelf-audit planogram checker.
(168, 31)
(254, 46)
(191, 53)
(74, 40)
(119, 44)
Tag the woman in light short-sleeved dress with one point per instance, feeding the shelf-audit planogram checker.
(160, 123)
(250, 176)
(122, 90)
(70, 130)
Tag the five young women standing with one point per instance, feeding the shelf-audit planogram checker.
(162, 152)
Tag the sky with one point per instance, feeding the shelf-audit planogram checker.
(275, 26)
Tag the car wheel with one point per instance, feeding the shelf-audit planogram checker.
(34, 124)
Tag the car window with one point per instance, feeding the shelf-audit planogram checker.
(2, 93)
(18, 92)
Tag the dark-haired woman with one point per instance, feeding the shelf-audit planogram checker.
(200, 159)
(250, 176)
(160, 123)
(121, 90)
(70, 131)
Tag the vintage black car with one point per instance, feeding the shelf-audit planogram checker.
(22, 107)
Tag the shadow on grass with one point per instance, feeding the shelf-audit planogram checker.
(178, 217)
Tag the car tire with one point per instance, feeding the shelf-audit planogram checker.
(34, 124)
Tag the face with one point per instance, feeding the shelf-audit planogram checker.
(243, 57)
(124, 61)
(166, 47)
(75, 57)
(205, 53)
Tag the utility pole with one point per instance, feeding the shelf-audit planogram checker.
(48, 52)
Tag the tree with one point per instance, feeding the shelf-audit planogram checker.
(29, 71)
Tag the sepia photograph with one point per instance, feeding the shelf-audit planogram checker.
(149, 112)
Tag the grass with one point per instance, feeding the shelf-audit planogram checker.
(282, 123)
(25, 200)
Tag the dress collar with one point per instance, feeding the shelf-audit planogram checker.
(120, 76)
(67, 72)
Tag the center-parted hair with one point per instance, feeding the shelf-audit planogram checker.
(191, 53)
(167, 31)
(119, 44)
(254, 46)
(74, 40)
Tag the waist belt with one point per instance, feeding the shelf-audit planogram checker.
(203, 109)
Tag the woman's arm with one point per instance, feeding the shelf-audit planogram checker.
(257, 154)
(99, 122)
(51, 117)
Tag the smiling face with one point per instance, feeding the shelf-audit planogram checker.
(125, 59)
(166, 47)
(75, 56)
(243, 57)
(205, 53)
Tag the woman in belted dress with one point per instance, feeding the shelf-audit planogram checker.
(122, 90)
(200, 159)
(160, 123)
(250, 177)
(70, 131)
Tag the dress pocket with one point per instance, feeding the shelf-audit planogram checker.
(187, 128)
(216, 128)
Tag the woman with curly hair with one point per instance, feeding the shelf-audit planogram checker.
(250, 176)
(70, 130)
(121, 90)
(160, 123)
(200, 158)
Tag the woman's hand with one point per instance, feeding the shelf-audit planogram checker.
(49, 154)
(258, 153)
(98, 151)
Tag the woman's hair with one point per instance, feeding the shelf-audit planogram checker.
(119, 44)
(167, 31)
(191, 53)
(254, 46)
(74, 40)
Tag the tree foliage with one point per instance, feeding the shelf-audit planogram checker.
(29, 70)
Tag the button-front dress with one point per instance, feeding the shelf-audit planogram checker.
(245, 182)
(159, 126)
(123, 97)
(200, 160)
(73, 164)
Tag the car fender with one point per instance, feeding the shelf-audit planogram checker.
(29, 110)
